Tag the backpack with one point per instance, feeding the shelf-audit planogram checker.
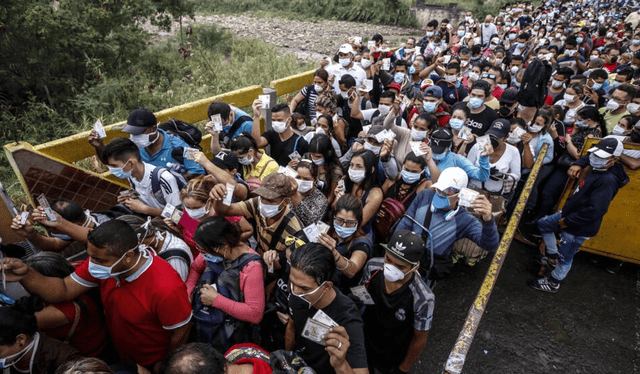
(303, 105)
(236, 125)
(389, 214)
(212, 325)
(185, 131)
(156, 189)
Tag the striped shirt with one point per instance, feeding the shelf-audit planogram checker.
(250, 209)
(310, 95)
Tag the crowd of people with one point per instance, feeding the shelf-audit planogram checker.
(314, 246)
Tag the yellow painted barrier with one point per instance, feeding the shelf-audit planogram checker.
(615, 237)
(293, 83)
(458, 354)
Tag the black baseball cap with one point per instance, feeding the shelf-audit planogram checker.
(441, 140)
(139, 120)
(499, 128)
(406, 246)
(509, 96)
(226, 160)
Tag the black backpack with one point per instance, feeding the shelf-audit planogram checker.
(303, 105)
(185, 131)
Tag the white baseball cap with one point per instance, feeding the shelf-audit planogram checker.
(346, 48)
(453, 177)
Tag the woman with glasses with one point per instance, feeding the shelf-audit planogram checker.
(351, 249)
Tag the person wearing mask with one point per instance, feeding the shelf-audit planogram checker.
(78, 322)
(380, 147)
(301, 125)
(571, 103)
(311, 284)
(406, 52)
(327, 104)
(459, 118)
(432, 104)
(285, 144)
(572, 56)
(582, 215)
(422, 126)
(146, 305)
(309, 204)
(346, 66)
(558, 82)
(308, 94)
(367, 116)
(350, 247)
(234, 120)
(125, 162)
(487, 29)
(611, 56)
(363, 183)
(474, 76)
(481, 116)
(628, 131)
(223, 167)
(24, 349)
(231, 285)
(616, 107)
(256, 165)
(504, 161)
(508, 104)
(522, 46)
(398, 320)
(451, 85)
(330, 171)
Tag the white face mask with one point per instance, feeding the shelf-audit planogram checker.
(197, 213)
(513, 138)
(344, 62)
(535, 128)
(279, 127)
(393, 274)
(304, 186)
(569, 98)
(474, 76)
(269, 211)
(366, 63)
(633, 107)
(245, 160)
(618, 130)
(612, 105)
(320, 131)
(450, 78)
(556, 83)
(144, 140)
(356, 176)
(373, 148)
(514, 70)
(318, 88)
(384, 109)
(19, 355)
(418, 135)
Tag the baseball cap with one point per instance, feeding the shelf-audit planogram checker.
(226, 160)
(394, 85)
(275, 185)
(499, 128)
(139, 120)
(433, 91)
(607, 147)
(346, 48)
(373, 131)
(441, 140)
(509, 96)
(406, 246)
(453, 177)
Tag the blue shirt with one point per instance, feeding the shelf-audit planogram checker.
(245, 126)
(453, 159)
(163, 157)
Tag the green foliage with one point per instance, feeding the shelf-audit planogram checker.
(385, 12)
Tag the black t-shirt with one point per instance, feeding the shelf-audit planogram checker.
(343, 282)
(344, 312)
(479, 123)
(280, 150)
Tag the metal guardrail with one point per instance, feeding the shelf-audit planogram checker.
(458, 354)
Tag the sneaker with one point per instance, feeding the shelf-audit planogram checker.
(546, 262)
(543, 284)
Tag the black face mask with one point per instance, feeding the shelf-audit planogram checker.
(505, 111)
(494, 142)
(614, 59)
(635, 136)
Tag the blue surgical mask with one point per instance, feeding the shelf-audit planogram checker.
(512, 36)
(409, 177)
(549, 28)
(635, 42)
(211, 258)
(475, 102)
(461, 33)
(440, 202)
(344, 232)
(429, 107)
(412, 70)
(521, 45)
(398, 78)
(439, 156)
(581, 124)
(318, 161)
(456, 123)
(579, 40)
(597, 162)
(120, 173)
(596, 86)
(507, 24)
(104, 272)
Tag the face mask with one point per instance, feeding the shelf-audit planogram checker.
(558, 35)
(279, 127)
(514, 70)
(569, 98)
(104, 272)
(464, 63)
(412, 70)
(521, 45)
(570, 52)
(615, 84)
(302, 295)
(429, 34)
(492, 46)
(268, 210)
(418, 135)
(633, 107)
(581, 124)
(304, 186)
(536, 27)
(513, 138)
(549, 28)
(474, 76)
(450, 78)
(612, 105)
(535, 128)
(393, 274)
(618, 130)
(440, 202)
(318, 88)
(503, 86)
(461, 33)
(469, 19)
(373, 148)
(475, 102)
(384, 109)
(609, 35)
(366, 63)
(596, 86)
(120, 173)
(498, 61)
(597, 163)
(197, 213)
(543, 16)
(143, 140)
(635, 42)
(344, 232)
(320, 131)
(20, 355)
(456, 123)
(579, 40)
(556, 83)
(505, 111)
(318, 161)
(398, 78)
(211, 258)
(512, 36)
(429, 107)
(439, 156)
(245, 161)
(344, 62)
(356, 176)
(409, 177)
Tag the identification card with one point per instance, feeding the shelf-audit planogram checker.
(366, 128)
(266, 101)
(42, 200)
(229, 196)
(323, 318)
(312, 232)
(415, 148)
(418, 50)
(314, 331)
(437, 50)
(217, 122)
(341, 184)
(482, 142)
(323, 228)
(519, 131)
(447, 58)
(464, 133)
(167, 212)
(361, 293)
(287, 171)
(24, 216)
(381, 136)
(368, 85)
(371, 44)
(405, 103)
(466, 196)
(176, 216)
(389, 135)
(386, 64)
(295, 156)
(190, 153)
(99, 129)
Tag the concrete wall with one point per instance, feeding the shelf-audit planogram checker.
(426, 12)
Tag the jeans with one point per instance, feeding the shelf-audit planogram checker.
(569, 245)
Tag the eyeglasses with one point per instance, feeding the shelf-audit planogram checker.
(448, 192)
(487, 75)
(345, 223)
(292, 240)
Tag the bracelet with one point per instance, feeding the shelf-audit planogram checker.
(346, 266)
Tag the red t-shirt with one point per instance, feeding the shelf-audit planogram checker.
(248, 353)
(90, 335)
(189, 226)
(141, 313)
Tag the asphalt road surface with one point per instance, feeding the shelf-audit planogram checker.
(591, 325)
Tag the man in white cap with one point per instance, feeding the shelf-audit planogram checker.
(346, 66)
(581, 216)
(437, 210)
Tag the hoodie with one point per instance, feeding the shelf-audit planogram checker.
(583, 213)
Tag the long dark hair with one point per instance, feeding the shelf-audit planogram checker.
(216, 231)
(590, 112)
(350, 203)
(370, 177)
(322, 144)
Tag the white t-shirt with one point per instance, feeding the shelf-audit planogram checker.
(355, 71)
(178, 263)
(509, 163)
(168, 185)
